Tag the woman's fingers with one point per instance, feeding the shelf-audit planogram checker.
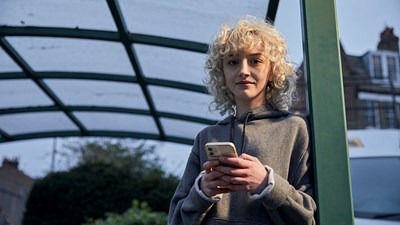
(211, 185)
(207, 166)
(243, 173)
(227, 174)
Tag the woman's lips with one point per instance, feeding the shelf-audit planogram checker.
(244, 82)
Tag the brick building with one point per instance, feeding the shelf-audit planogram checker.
(371, 85)
(15, 187)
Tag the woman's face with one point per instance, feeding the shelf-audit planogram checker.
(246, 75)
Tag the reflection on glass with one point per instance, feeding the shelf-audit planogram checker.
(98, 93)
(188, 20)
(22, 123)
(117, 122)
(14, 93)
(60, 13)
(376, 185)
(182, 102)
(77, 55)
(171, 64)
(179, 128)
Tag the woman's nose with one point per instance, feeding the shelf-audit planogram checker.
(244, 70)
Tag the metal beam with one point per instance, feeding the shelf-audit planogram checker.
(124, 37)
(272, 10)
(169, 115)
(107, 77)
(103, 36)
(58, 32)
(326, 110)
(5, 136)
(98, 133)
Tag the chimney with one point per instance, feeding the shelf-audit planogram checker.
(388, 41)
(11, 163)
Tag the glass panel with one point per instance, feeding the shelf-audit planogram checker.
(117, 122)
(376, 193)
(66, 54)
(89, 14)
(15, 93)
(35, 122)
(288, 23)
(6, 63)
(182, 102)
(98, 93)
(171, 64)
(179, 128)
(188, 20)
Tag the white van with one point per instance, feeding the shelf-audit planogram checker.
(375, 174)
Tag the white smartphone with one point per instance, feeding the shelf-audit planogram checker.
(217, 149)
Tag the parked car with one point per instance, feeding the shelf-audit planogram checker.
(375, 175)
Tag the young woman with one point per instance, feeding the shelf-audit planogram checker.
(271, 180)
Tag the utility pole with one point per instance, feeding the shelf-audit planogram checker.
(53, 154)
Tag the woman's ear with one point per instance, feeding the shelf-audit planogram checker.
(270, 72)
(271, 77)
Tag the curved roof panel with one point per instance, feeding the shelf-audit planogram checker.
(117, 68)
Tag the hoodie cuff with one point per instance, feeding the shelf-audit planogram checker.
(214, 198)
(277, 195)
(270, 186)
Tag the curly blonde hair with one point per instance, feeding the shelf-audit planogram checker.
(249, 32)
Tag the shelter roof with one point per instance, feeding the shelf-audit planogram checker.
(116, 68)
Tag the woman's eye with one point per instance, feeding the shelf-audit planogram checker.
(233, 62)
(256, 61)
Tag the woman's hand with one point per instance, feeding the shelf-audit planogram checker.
(244, 173)
(210, 183)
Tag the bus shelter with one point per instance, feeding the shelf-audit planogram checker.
(120, 68)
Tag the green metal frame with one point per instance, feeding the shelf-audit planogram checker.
(326, 109)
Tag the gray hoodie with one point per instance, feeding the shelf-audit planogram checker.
(280, 140)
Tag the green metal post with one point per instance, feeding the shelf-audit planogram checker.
(326, 109)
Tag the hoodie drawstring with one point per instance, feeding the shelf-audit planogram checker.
(243, 133)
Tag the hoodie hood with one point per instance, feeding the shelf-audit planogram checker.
(262, 112)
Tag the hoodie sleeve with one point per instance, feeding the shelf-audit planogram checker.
(187, 206)
(290, 200)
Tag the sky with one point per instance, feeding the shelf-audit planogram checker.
(359, 25)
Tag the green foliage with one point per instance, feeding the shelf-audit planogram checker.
(116, 152)
(138, 214)
(107, 178)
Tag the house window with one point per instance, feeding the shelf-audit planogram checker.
(377, 67)
(391, 62)
(370, 114)
(389, 115)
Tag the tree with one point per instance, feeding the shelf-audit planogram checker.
(107, 177)
(138, 214)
